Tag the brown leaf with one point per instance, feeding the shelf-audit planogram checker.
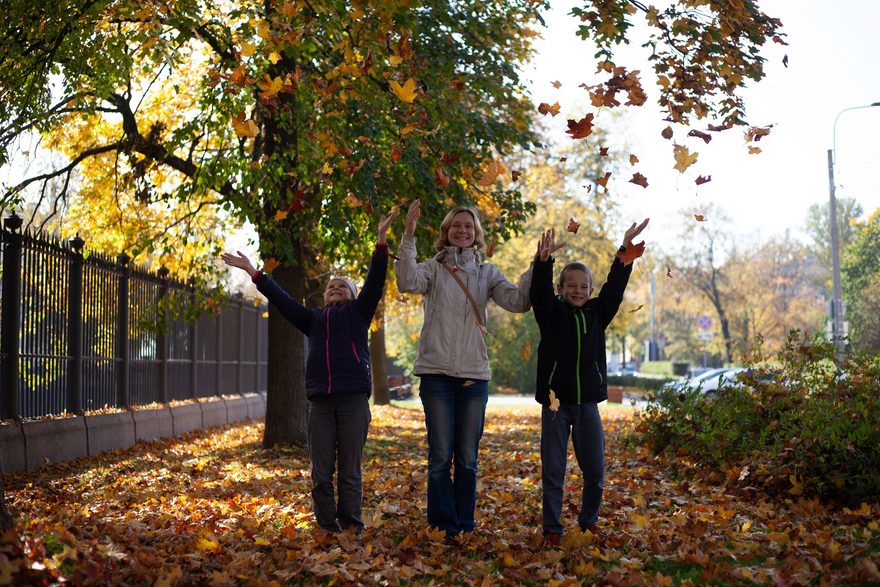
(785, 60)
(632, 252)
(545, 108)
(667, 133)
(634, 310)
(668, 271)
(526, 351)
(557, 84)
(700, 134)
(703, 179)
(515, 174)
(700, 217)
(269, 265)
(441, 178)
(603, 181)
(633, 159)
(639, 179)
(580, 129)
(573, 226)
(603, 151)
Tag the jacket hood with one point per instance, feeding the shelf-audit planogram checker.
(459, 257)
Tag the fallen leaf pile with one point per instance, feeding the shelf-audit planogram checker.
(214, 508)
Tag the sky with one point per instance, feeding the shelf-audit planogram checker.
(833, 64)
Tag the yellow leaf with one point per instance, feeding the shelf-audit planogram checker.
(754, 150)
(262, 541)
(406, 92)
(270, 86)
(204, 544)
(270, 264)
(554, 402)
(410, 127)
(507, 560)
(289, 9)
(274, 57)
(395, 60)
(639, 520)
(584, 568)
(435, 534)
(244, 128)
(746, 526)
(248, 49)
(526, 351)
(280, 215)
(683, 158)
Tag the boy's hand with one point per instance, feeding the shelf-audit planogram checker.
(412, 217)
(240, 261)
(547, 245)
(633, 232)
(385, 222)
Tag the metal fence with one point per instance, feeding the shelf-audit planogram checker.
(82, 332)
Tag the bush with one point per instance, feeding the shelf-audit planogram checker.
(663, 368)
(809, 424)
(645, 383)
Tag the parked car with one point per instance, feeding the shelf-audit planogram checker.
(709, 386)
(694, 382)
(625, 371)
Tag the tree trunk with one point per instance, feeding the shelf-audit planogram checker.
(287, 408)
(381, 392)
(6, 521)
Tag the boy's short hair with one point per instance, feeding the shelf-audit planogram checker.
(575, 265)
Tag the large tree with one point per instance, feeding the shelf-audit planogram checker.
(860, 268)
(308, 117)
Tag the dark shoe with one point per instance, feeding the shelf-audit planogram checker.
(552, 539)
(594, 530)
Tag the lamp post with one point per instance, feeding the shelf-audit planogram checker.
(837, 297)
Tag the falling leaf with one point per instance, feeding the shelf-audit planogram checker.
(554, 402)
(668, 271)
(603, 181)
(603, 151)
(573, 226)
(545, 108)
(410, 127)
(756, 133)
(515, 174)
(639, 179)
(557, 84)
(634, 310)
(633, 159)
(667, 133)
(406, 92)
(632, 252)
(754, 150)
(526, 350)
(490, 249)
(563, 159)
(683, 158)
(589, 188)
(280, 215)
(579, 129)
(269, 265)
(700, 217)
(700, 134)
(703, 179)
(785, 60)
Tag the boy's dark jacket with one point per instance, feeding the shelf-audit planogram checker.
(571, 354)
(338, 351)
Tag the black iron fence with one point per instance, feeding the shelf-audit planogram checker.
(82, 332)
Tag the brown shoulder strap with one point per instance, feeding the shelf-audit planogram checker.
(481, 323)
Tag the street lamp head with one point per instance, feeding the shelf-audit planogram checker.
(875, 104)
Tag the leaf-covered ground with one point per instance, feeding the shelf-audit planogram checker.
(214, 508)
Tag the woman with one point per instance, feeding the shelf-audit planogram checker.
(452, 362)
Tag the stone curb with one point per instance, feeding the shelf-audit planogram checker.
(109, 431)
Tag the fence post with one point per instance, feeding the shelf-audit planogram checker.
(11, 330)
(193, 342)
(122, 342)
(162, 335)
(75, 327)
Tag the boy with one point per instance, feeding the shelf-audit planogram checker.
(571, 367)
(338, 381)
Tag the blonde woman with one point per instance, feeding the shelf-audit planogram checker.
(456, 285)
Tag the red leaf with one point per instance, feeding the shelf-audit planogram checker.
(603, 152)
(703, 179)
(579, 129)
(441, 178)
(700, 134)
(631, 253)
(639, 179)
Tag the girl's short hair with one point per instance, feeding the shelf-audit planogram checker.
(443, 240)
(575, 266)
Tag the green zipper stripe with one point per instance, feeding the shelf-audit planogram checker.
(552, 371)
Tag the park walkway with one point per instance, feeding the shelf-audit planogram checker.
(214, 508)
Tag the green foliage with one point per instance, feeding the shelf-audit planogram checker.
(860, 268)
(812, 425)
(645, 383)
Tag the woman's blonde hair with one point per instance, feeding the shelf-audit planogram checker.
(443, 240)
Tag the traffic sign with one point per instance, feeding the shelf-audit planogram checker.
(704, 322)
(705, 336)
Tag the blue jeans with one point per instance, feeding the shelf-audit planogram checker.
(455, 410)
(585, 426)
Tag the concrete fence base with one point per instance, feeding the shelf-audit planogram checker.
(25, 446)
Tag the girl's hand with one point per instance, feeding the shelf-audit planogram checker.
(385, 222)
(412, 217)
(240, 261)
(633, 232)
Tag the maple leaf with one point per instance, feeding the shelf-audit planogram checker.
(683, 158)
(573, 226)
(280, 215)
(700, 218)
(700, 134)
(633, 159)
(490, 174)
(441, 178)
(632, 252)
(274, 57)
(754, 150)
(634, 310)
(526, 350)
(756, 133)
(545, 108)
(514, 174)
(603, 151)
(557, 84)
(703, 179)
(248, 49)
(269, 265)
(603, 181)
(667, 133)
(639, 179)
(579, 129)
(554, 402)
(668, 271)
(244, 128)
(410, 127)
(406, 92)
(270, 86)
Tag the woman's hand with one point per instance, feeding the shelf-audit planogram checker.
(633, 232)
(412, 217)
(240, 261)
(547, 245)
(385, 222)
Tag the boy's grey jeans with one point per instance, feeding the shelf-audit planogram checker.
(338, 426)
